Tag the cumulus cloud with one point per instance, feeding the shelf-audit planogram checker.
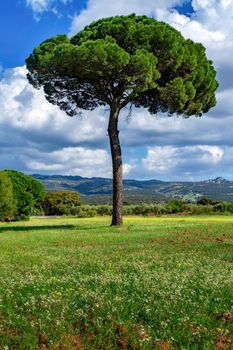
(96, 9)
(36, 136)
(26, 110)
(72, 161)
(34, 130)
(186, 163)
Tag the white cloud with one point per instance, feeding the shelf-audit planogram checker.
(192, 28)
(72, 161)
(24, 108)
(160, 159)
(44, 138)
(224, 106)
(183, 163)
(96, 9)
(36, 136)
(40, 6)
(211, 154)
(128, 168)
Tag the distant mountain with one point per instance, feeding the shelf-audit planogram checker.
(97, 189)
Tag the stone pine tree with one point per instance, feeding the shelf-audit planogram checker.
(124, 61)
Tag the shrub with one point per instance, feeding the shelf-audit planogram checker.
(62, 203)
(104, 210)
(207, 201)
(175, 206)
(127, 210)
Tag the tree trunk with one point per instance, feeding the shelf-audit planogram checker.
(117, 187)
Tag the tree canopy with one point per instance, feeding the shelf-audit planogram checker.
(130, 58)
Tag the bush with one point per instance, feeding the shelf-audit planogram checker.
(127, 210)
(104, 210)
(207, 201)
(175, 206)
(62, 203)
(198, 209)
(86, 211)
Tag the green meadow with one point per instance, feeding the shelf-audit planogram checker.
(154, 283)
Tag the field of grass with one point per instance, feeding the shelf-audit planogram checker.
(155, 283)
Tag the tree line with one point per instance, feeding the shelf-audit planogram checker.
(172, 207)
(21, 196)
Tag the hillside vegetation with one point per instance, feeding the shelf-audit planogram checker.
(22, 196)
(97, 190)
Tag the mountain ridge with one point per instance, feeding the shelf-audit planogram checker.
(98, 189)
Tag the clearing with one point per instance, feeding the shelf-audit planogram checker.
(155, 283)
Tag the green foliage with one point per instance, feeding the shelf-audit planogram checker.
(223, 207)
(7, 204)
(172, 207)
(28, 193)
(175, 206)
(128, 59)
(207, 201)
(62, 203)
(86, 211)
(104, 210)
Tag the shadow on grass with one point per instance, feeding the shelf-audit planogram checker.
(52, 227)
(37, 228)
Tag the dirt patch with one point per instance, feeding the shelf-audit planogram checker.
(162, 345)
(224, 343)
(219, 240)
(123, 342)
(121, 329)
(123, 339)
(227, 317)
(69, 342)
(43, 341)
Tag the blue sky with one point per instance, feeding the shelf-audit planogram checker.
(27, 28)
(36, 137)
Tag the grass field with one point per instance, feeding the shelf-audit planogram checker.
(155, 283)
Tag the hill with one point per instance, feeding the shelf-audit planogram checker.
(99, 190)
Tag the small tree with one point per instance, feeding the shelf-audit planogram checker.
(207, 201)
(124, 60)
(7, 204)
(62, 203)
